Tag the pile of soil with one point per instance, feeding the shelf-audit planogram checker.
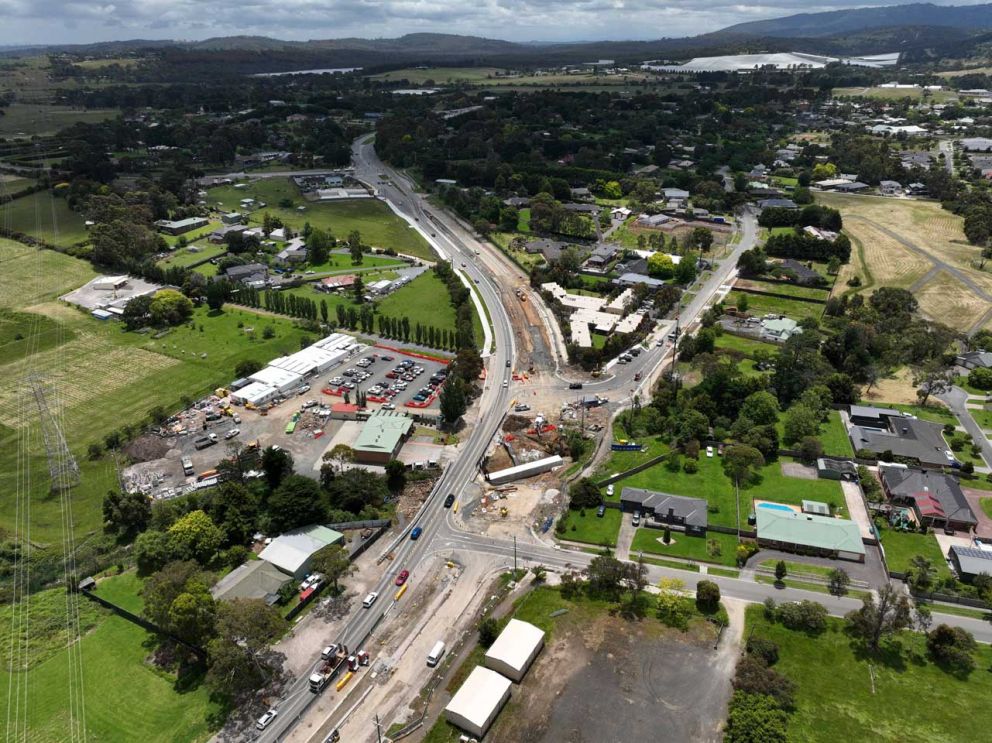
(517, 423)
(146, 448)
(413, 497)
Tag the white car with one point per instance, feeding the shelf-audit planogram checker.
(388, 406)
(609, 490)
(266, 719)
(506, 383)
(236, 418)
(232, 433)
(709, 451)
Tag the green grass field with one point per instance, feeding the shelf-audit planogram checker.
(32, 275)
(29, 119)
(45, 217)
(182, 257)
(932, 412)
(901, 546)
(375, 221)
(717, 489)
(440, 75)
(425, 300)
(341, 263)
(105, 378)
(746, 346)
(832, 435)
(839, 698)
(586, 526)
(982, 417)
(125, 698)
(759, 305)
(693, 548)
(792, 290)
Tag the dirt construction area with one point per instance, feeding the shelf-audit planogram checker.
(612, 681)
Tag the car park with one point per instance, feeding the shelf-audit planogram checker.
(401, 578)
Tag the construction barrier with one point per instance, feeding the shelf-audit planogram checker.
(344, 681)
(399, 593)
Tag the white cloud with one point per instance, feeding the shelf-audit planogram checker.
(81, 21)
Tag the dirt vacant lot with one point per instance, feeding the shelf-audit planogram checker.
(611, 681)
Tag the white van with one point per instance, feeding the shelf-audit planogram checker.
(370, 599)
(435, 654)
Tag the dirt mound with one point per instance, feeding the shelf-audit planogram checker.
(517, 423)
(146, 448)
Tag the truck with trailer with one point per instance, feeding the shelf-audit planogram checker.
(334, 659)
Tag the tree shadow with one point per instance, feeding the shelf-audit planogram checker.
(890, 653)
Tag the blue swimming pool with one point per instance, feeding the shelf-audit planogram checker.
(775, 507)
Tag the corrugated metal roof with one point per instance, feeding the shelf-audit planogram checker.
(516, 644)
(808, 530)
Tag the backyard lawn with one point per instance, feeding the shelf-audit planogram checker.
(761, 305)
(839, 698)
(833, 436)
(182, 257)
(901, 546)
(711, 484)
(714, 547)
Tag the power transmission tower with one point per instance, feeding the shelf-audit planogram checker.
(62, 467)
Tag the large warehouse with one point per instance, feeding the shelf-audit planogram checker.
(282, 380)
(478, 701)
(311, 361)
(515, 649)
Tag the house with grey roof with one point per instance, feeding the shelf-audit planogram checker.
(970, 562)
(974, 360)
(936, 499)
(601, 256)
(779, 329)
(777, 204)
(671, 510)
(634, 279)
(884, 431)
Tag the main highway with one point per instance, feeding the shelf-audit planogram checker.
(440, 528)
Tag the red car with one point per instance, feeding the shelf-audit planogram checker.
(401, 578)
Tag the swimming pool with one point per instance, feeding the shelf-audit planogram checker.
(775, 506)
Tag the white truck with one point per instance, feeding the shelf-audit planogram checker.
(333, 660)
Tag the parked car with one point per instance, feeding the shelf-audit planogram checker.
(265, 720)
(401, 578)
(236, 418)
(636, 521)
(415, 534)
(709, 451)
(601, 511)
(232, 433)
(610, 489)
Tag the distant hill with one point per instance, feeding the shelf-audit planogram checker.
(831, 23)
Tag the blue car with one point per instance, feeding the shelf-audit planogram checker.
(417, 531)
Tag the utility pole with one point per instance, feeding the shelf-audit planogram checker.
(514, 558)
(378, 728)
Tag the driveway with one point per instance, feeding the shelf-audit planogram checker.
(625, 538)
(974, 496)
(957, 400)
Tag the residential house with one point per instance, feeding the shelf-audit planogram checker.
(295, 252)
(292, 551)
(517, 202)
(976, 144)
(581, 194)
(936, 499)
(677, 194)
(809, 534)
(980, 359)
(671, 510)
(653, 220)
(635, 279)
(335, 283)
(851, 187)
(601, 256)
(777, 204)
(803, 273)
(550, 249)
(890, 188)
(232, 218)
(181, 226)
(779, 330)
(219, 236)
(883, 431)
(970, 562)
(255, 579)
(250, 274)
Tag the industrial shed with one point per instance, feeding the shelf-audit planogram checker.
(282, 380)
(515, 649)
(476, 704)
(291, 552)
(310, 361)
(255, 393)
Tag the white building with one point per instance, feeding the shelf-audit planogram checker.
(311, 361)
(515, 649)
(476, 704)
(255, 394)
(280, 379)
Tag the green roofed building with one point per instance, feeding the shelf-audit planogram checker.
(808, 534)
(382, 436)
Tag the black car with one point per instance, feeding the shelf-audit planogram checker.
(575, 386)
(449, 501)
(601, 511)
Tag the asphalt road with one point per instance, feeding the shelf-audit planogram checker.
(441, 533)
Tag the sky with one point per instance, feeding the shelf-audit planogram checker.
(85, 21)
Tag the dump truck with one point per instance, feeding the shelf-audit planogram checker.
(334, 659)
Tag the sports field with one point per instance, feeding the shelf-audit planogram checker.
(911, 244)
(375, 221)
